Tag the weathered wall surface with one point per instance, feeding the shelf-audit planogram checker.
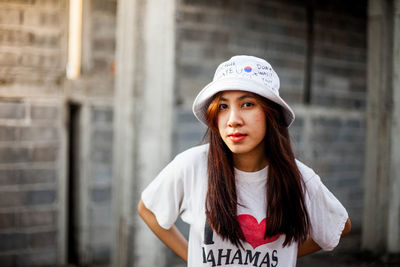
(93, 94)
(318, 51)
(32, 132)
(35, 134)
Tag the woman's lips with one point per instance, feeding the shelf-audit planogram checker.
(237, 137)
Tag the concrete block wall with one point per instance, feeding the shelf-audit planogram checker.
(31, 208)
(32, 132)
(98, 47)
(339, 55)
(100, 184)
(209, 32)
(339, 84)
(329, 132)
(33, 45)
(94, 92)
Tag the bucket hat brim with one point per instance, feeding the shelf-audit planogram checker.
(203, 99)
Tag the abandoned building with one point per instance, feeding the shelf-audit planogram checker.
(96, 95)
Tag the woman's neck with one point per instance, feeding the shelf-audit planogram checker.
(249, 162)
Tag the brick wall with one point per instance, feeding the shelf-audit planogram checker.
(32, 38)
(339, 83)
(100, 179)
(32, 133)
(30, 164)
(94, 94)
(329, 131)
(339, 55)
(209, 32)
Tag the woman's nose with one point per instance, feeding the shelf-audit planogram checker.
(235, 119)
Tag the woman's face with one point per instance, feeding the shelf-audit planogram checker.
(241, 122)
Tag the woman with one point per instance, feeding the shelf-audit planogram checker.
(248, 201)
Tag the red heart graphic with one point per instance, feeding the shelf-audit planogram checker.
(254, 231)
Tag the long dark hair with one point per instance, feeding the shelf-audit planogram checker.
(286, 210)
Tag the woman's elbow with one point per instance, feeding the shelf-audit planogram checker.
(141, 208)
(347, 227)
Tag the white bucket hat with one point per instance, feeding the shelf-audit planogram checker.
(245, 73)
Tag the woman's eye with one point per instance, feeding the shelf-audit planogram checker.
(222, 106)
(247, 104)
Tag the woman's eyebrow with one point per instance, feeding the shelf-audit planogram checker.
(245, 96)
(239, 98)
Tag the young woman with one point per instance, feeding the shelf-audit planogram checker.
(248, 201)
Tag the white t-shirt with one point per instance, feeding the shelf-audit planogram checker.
(180, 190)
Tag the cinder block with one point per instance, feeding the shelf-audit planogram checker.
(101, 173)
(14, 37)
(7, 220)
(7, 260)
(102, 137)
(101, 254)
(100, 236)
(14, 154)
(50, 113)
(104, 44)
(10, 16)
(12, 110)
(9, 59)
(37, 258)
(43, 18)
(45, 40)
(101, 64)
(101, 154)
(101, 194)
(43, 239)
(8, 133)
(101, 115)
(32, 60)
(48, 3)
(100, 215)
(106, 6)
(9, 177)
(11, 199)
(40, 197)
(48, 153)
(36, 218)
(22, 2)
(35, 176)
(13, 241)
(27, 176)
(43, 133)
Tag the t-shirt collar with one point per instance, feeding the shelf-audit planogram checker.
(251, 176)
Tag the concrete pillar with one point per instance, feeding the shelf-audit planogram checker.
(394, 196)
(382, 169)
(143, 113)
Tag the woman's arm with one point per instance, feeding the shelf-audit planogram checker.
(309, 246)
(171, 237)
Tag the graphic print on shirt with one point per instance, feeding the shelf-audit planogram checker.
(254, 231)
(217, 252)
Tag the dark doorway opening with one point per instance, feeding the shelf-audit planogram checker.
(73, 184)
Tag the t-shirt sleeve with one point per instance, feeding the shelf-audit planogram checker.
(327, 215)
(165, 195)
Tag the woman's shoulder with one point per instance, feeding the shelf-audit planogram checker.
(194, 154)
(307, 173)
